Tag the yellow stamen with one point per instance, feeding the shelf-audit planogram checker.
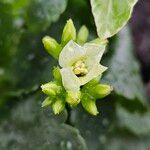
(79, 68)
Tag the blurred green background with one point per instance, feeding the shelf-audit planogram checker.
(124, 119)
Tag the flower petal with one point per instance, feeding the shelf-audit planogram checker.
(93, 73)
(70, 81)
(71, 53)
(93, 54)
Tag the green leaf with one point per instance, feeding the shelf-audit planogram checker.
(29, 57)
(126, 143)
(36, 15)
(111, 15)
(9, 37)
(124, 71)
(29, 127)
(41, 13)
(28, 68)
(18, 6)
(8, 34)
(137, 123)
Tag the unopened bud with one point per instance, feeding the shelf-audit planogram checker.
(52, 47)
(82, 35)
(102, 90)
(73, 98)
(89, 104)
(51, 89)
(58, 106)
(69, 32)
(47, 102)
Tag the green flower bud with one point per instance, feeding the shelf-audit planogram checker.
(51, 89)
(82, 35)
(47, 102)
(69, 32)
(88, 103)
(52, 47)
(57, 74)
(73, 98)
(102, 90)
(58, 106)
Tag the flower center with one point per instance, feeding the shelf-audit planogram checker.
(80, 69)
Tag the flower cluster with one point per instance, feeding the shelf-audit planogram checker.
(77, 78)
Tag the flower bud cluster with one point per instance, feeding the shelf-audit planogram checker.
(57, 91)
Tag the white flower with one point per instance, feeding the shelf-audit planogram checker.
(80, 64)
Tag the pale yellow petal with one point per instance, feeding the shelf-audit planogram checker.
(93, 73)
(71, 53)
(93, 54)
(70, 81)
